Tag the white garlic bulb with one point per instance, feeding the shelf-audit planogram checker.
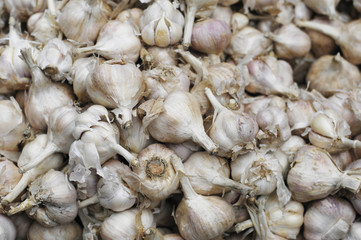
(179, 112)
(261, 6)
(238, 21)
(161, 24)
(70, 231)
(126, 224)
(22, 9)
(324, 7)
(9, 176)
(108, 46)
(223, 13)
(81, 20)
(7, 228)
(118, 86)
(291, 146)
(262, 170)
(329, 218)
(299, 114)
(231, 130)
(313, 175)
(55, 59)
(42, 26)
(162, 56)
(154, 176)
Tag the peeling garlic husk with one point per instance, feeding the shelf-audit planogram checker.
(313, 165)
(7, 228)
(155, 176)
(270, 6)
(238, 21)
(126, 224)
(70, 231)
(329, 218)
(118, 86)
(161, 24)
(9, 176)
(43, 26)
(180, 112)
(81, 20)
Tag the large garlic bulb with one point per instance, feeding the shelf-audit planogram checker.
(81, 20)
(118, 86)
(161, 24)
(329, 218)
(70, 231)
(176, 120)
(126, 225)
(313, 175)
(154, 176)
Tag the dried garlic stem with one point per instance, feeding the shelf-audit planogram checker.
(90, 201)
(20, 186)
(186, 184)
(48, 150)
(240, 227)
(229, 183)
(133, 161)
(350, 143)
(25, 205)
(189, 22)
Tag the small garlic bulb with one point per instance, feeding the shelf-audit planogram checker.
(313, 175)
(7, 228)
(324, 7)
(42, 26)
(118, 86)
(81, 20)
(9, 176)
(161, 24)
(231, 130)
(268, 75)
(176, 120)
(70, 231)
(211, 36)
(154, 176)
(201, 217)
(329, 218)
(55, 59)
(126, 225)
(107, 44)
(290, 42)
(329, 74)
(210, 175)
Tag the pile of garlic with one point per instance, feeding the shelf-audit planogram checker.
(180, 119)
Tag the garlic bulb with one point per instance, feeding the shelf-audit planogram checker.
(118, 86)
(301, 11)
(209, 175)
(273, 220)
(184, 150)
(22, 224)
(131, 16)
(262, 170)
(60, 135)
(42, 26)
(12, 125)
(291, 146)
(81, 20)
(329, 218)
(162, 56)
(342, 159)
(254, 106)
(57, 197)
(334, 72)
(238, 21)
(176, 120)
(268, 75)
(231, 130)
(313, 175)
(126, 225)
(211, 36)
(247, 44)
(41, 101)
(33, 148)
(263, 6)
(196, 8)
(154, 176)
(135, 138)
(55, 59)
(70, 231)
(7, 228)
(223, 13)
(22, 9)
(299, 114)
(354, 233)
(345, 36)
(324, 7)
(107, 44)
(201, 217)
(79, 73)
(164, 79)
(9, 176)
(161, 24)
(290, 42)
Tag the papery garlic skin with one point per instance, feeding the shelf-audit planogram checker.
(354, 233)
(330, 218)
(131, 16)
(324, 7)
(124, 225)
(81, 20)
(163, 56)
(42, 26)
(70, 231)
(223, 13)
(7, 228)
(9, 176)
(300, 114)
(335, 72)
(161, 24)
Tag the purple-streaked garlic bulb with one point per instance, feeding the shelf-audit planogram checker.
(176, 120)
(313, 175)
(118, 85)
(161, 24)
(81, 20)
(231, 130)
(329, 218)
(69, 231)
